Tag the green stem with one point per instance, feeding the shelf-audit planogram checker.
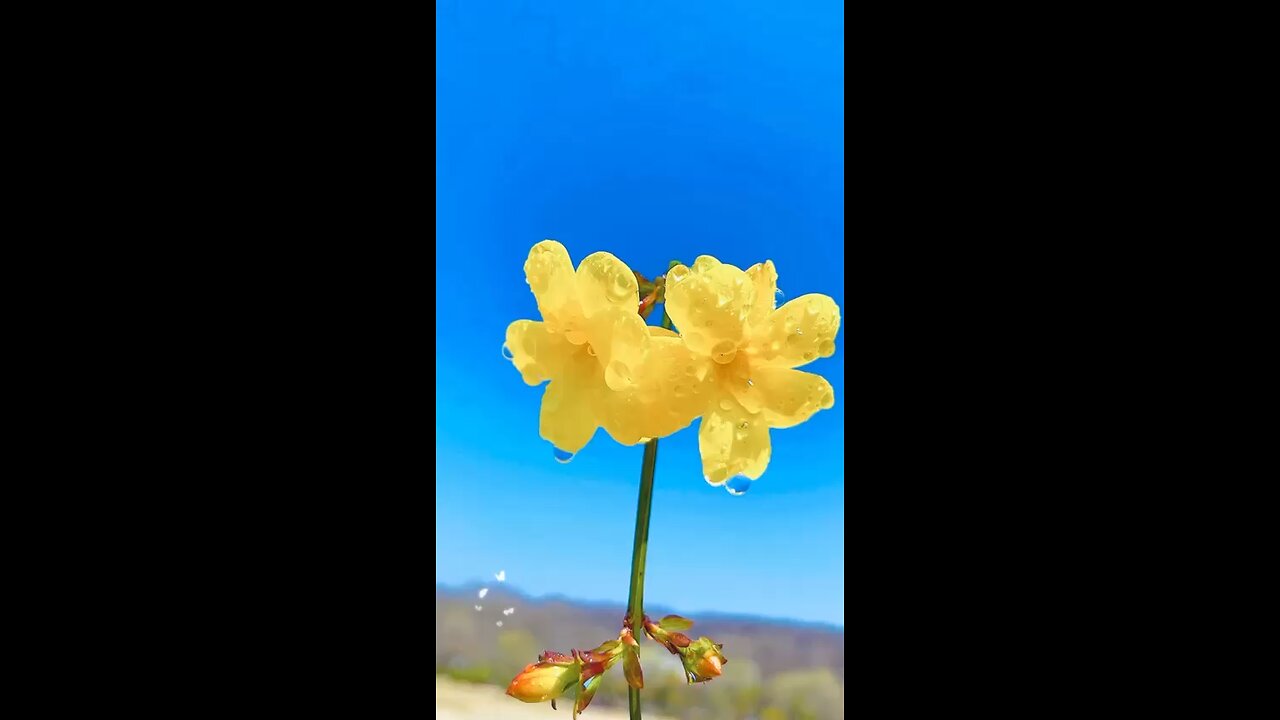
(635, 599)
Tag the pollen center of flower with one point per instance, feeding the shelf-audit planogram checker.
(724, 351)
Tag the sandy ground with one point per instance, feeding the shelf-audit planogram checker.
(464, 701)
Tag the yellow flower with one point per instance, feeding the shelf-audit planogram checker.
(592, 345)
(743, 352)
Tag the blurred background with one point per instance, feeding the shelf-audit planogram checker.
(656, 131)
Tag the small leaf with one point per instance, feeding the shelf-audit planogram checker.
(631, 669)
(607, 646)
(675, 622)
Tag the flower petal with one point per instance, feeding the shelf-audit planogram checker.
(671, 388)
(620, 342)
(550, 275)
(788, 397)
(571, 405)
(798, 332)
(732, 442)
(537, 353)
(705, 263)
(605, 282)
(709, 305)
(764, 277)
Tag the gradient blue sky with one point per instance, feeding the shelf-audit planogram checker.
(654, 131)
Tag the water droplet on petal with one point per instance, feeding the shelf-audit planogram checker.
(591, 350)
(506, 352)
(562, 456)
(738, 485)
(621, 286)
(618, 372)
(744, 425)
(799, 331)
(750, 383)
(725, 404)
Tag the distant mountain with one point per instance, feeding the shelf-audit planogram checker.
(470, 589)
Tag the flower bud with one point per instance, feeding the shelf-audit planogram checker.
(543, 681)
(709, 665)
(647, 303)
(702, 660)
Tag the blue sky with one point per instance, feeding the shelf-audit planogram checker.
(654, 131)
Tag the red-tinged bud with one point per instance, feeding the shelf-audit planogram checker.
(679, 639)
(709, 666)
(702, 660)
(543, 681)
(556, 673)
(646, 304)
